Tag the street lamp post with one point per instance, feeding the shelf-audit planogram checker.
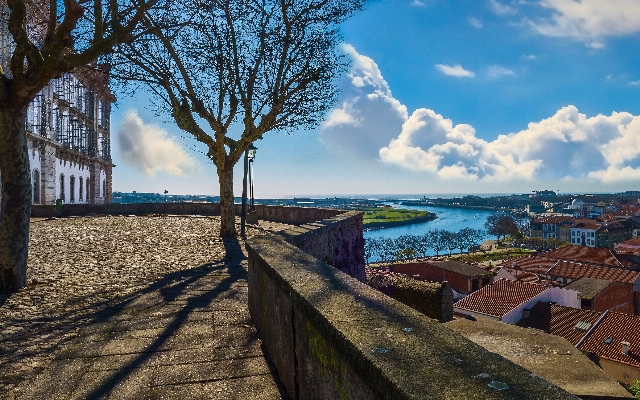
(249, 154)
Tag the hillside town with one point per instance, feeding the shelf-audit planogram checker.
(576, 275)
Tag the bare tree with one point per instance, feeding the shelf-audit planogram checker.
(501, 225)
(42, 39)
(267, 65)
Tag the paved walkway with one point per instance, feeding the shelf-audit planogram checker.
(185, 335)
(189, 335)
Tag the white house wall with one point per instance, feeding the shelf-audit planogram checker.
(71, 170)
(563, 297)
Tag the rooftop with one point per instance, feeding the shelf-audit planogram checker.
(460, 268)
(560, 320)
(591, 255)
(573, 270)
(588, 288)
(550, 357)
(500, 297)
(581, 326)
(606, 338)
(629, 247)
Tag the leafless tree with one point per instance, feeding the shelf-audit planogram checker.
(235, 70)
(42, 39)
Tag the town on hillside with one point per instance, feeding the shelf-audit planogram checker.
(572, 271)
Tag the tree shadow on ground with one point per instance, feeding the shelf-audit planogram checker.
(171, 288)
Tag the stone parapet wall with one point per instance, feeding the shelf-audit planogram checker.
(331, 336)
(68, 210)
(337, 241)
(292, 215)
(435, 300)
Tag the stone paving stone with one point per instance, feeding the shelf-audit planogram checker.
(105, 313)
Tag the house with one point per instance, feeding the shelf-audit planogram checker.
(547, 227)
(505, 300)
(463, 278)
(612, 233)
(583, 232)
(602, 295)
(612, 338)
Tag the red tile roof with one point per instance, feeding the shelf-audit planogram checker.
(629, 247)
(620, 328)
(572, 270)
(555, 268)
(560, 320)
(555, 219)
(586, 224)
(589, 255)
(500, 297)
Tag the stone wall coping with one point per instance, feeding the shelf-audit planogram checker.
(395, 350)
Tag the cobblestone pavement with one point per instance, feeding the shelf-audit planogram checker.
(132, 307)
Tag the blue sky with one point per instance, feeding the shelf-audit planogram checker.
(459, 96)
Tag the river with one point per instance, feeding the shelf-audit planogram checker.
(451, 219)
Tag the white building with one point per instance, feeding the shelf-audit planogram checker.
(583, 233)
(68, 132)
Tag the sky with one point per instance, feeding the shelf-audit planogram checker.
(442, 96)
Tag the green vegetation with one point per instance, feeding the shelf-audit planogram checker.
(635, 389)
(496, 255)
(387, 216)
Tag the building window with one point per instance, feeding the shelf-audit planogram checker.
(88, 187)
(104, 188)
(80, 189)
(72, 189)
(36, 187)
(62, 187)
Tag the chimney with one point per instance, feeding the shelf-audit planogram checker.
(625, 347)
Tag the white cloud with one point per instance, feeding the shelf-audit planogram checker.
(567, 146)
(369, 116)
(589, 20)
(530, 57)
(418, 3)
(500, 9)
(496, 71)
(455, 70)
(148, 148)
(475, 22)
(634, 83)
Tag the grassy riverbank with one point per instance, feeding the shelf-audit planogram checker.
(388, 217)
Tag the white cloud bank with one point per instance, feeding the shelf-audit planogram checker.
(566, 146)
(589, 20)
(148, 148)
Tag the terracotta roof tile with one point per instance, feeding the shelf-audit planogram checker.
(556, 219)
(590, 255)
(628, 247)
(542, 265)
(620, 328)
(572, 270)
(500, 297)
(560, 320)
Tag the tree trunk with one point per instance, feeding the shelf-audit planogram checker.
(227, 211)
(15, 207)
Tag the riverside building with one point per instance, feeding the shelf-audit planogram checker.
(68, 132)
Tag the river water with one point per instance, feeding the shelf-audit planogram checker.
(451, 219)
